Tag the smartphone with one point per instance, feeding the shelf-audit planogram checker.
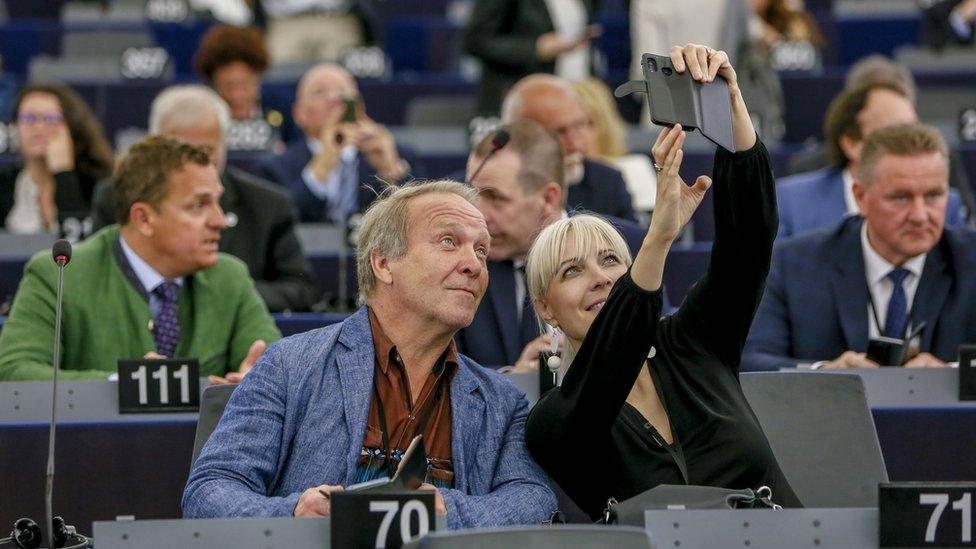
(351, 112)
(887, 351)
(677, 98)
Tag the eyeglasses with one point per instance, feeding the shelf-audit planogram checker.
(29, 118)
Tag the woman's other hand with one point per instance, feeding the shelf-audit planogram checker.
(676, 202)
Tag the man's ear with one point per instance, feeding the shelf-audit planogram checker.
(140, 217)
(381, 268)
(552, 195)
(851, 147)
(859, 190)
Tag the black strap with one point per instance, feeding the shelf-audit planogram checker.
(422, 419)
(877, 322)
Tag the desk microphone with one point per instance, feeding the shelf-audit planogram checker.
(61, 251)
(498, 142)
(57, 535)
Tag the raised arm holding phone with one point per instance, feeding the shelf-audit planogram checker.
(649, 400)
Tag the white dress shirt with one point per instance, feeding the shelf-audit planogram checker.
(849, 201)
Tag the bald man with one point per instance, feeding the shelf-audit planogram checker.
(332, 168)
(552, 102)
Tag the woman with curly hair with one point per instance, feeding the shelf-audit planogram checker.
(231, 60)
(64, 153)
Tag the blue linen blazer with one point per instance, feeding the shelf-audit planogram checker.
(815, 200)
(816, 301)
(299, 418)
(494, 338)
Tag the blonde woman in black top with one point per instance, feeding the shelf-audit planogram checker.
(650, 400)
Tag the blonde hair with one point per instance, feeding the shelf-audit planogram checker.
(898, 140)
(385, 224)
(610, 132)
(588, 233)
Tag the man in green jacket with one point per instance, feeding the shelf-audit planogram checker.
(154, 286)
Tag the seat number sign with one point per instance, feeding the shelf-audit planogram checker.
(926, 514)
(159, 385)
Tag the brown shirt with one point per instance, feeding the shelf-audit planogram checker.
(405, 416)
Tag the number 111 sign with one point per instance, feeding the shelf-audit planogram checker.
(159, 385)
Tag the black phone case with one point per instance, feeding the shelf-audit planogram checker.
(676, 98)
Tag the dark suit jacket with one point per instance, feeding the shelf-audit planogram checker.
(286, 170)
(816, 301)
(264, 238)
(502, 34)
(73, 199)
(937, 31)
(814, 200)
(495, 338)
(602, 190)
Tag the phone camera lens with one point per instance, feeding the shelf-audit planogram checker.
(666, 71)
(651, 65)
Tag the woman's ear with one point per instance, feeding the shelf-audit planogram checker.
(546, 313)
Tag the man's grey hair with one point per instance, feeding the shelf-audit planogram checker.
(384, 226)
(183, 106)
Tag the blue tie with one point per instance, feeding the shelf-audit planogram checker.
(897, 317)
(166, 331)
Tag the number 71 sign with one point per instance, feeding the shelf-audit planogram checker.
(924, 514)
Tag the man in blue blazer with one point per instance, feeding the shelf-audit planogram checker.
(338, 405)
(521, 192)
(830, 291)
(553, 103)
(336, 167)
(822, 198)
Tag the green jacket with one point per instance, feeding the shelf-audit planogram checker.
(105, 318)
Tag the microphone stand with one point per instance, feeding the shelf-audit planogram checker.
(49, 490)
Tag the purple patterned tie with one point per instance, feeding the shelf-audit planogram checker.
(167, 325)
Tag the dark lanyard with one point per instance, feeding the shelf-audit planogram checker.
(877, 321)
(421, 423)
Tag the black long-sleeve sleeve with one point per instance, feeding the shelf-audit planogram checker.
(719, 308)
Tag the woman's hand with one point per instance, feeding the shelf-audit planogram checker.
(676, 201)
(704, 63)
(60, 154)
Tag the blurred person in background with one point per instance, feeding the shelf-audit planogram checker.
(260, 217)
(63, 154)
(948, 22)
(785, 22)
(607, 141)
(552, 102)
(821, 198)
(336, 167)
(319, 30)
(231, 60)
(516, 38)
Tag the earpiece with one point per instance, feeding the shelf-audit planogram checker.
(554, 361)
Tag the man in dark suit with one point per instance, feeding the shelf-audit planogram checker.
(552, 102)
(516, 38)
(260, 216)
(331, 170)
(829, 292)
(821, 198)
(521, 193)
